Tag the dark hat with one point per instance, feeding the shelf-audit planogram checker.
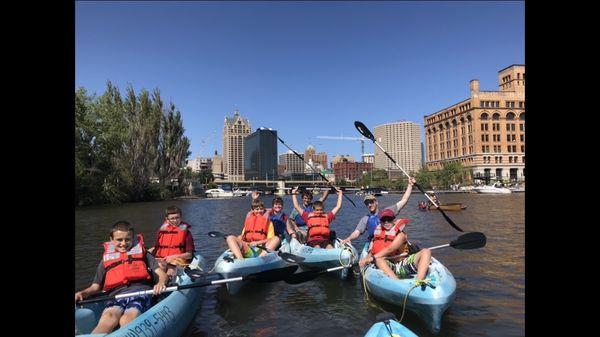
(387, 213)
(370, 197)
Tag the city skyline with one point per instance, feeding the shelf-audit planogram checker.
(305, 69)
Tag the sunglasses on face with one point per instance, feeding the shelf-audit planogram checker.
(370, 202)
(387, 219)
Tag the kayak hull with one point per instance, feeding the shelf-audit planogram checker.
(380, 330)
(228, 267)
(321, 258)
(427, 302)
(168, 318)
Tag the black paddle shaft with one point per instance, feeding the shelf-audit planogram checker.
(362, 128)
(299, 156)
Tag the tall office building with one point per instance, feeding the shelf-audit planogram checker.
(293, 164)
(485, 132)
(234, 132)
(217, 166)
(260, 155)
(402, 140)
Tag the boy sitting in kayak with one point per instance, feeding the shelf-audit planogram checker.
(391, 240)
(275, 214)
(318, 222)
(295, 224)
(258, 230)
(174, 241)
(124, 268)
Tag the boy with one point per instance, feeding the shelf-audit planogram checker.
(297, 225)
(174, 241)
(318, 234)
(275, 214)
(258, 230)
(123, 269)
(389, 239)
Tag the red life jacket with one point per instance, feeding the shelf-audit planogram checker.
(122, 268)
(171, 239)
(255, 228)
(383, 238)
(318, 227)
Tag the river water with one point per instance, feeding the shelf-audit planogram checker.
(490, 294)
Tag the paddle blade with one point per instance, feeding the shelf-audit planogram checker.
(272, 275)
(364, 130)
(215, 234)
(470, 240)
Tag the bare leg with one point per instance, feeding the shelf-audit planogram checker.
(382, 264)
(329, 246)
(129, 315)
(422, 260)
(109, 320)
(271, 245)
(235, 245)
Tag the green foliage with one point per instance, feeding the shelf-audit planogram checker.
(120, 146)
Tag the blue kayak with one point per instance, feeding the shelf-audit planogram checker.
(389, 328)
(321, 258)
(167, 318)
(427, 302)
(228, 266)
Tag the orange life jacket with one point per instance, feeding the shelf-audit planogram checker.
(318, 227)
(383, 238)
(255, 228)
(171, 239)
(122, 268)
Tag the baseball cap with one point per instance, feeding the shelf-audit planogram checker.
(370, 197)
(387, 213)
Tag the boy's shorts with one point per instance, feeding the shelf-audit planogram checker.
(405, 267)
(320, 243)
(141, 303)
(252, 252)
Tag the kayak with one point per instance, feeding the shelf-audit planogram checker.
(427, 302)
(167, 318)
(389, 328)
(228, 266)
(321, 258)
(448, 207)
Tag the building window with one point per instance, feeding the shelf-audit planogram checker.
(510, 159)
(508, 138)
(522, 137)
(523, 159)
(523, 149)
(522, 127)
(513, 138)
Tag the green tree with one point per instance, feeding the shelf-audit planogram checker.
(173, 147)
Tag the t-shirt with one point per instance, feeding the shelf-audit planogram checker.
(362, 224)
(132, 287)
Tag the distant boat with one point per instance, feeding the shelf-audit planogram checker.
(496, 188)
(218, 193)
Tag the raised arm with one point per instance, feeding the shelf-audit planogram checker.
(325, 194)
(339, 202)
(295, 201)
(406, 195)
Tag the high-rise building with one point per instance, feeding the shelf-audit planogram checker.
(217, 166)
(310, 154)
(402, 140)
(485, 132)
(260, 155)
(293, 164)
(234, 132)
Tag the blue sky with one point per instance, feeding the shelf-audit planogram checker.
(303, 68)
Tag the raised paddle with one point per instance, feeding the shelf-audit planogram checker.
(272, 275)
(367, 133)
(314, 169)
(290, 258)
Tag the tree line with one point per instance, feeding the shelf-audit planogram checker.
(128, 147)
(451, 174)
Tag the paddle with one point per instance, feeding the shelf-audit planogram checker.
(309, 275)
(272, 275)
(314, 169)
(471, 240)
(290, 258)
(367, 133)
